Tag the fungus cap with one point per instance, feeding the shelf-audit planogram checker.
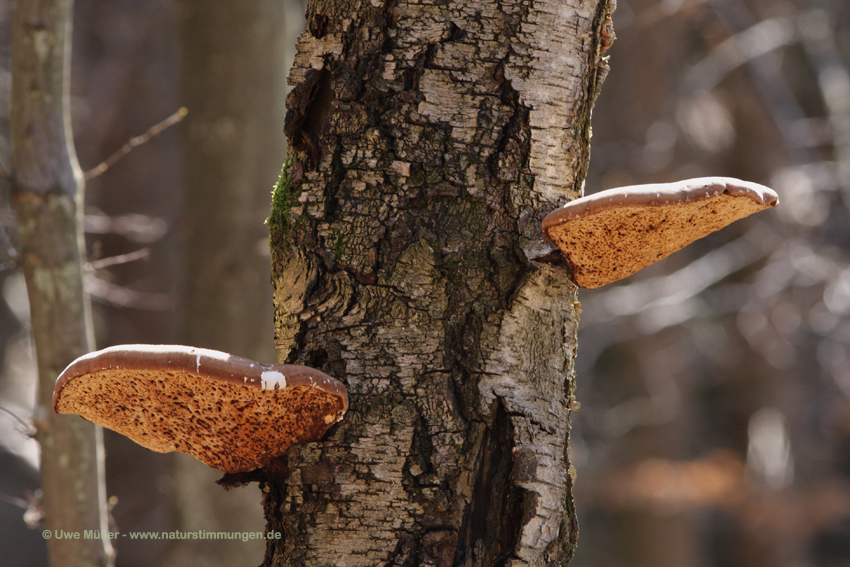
(229, 412)
(612, 234)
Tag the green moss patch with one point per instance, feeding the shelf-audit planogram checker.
(284, 196)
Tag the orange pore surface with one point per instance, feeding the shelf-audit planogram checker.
(231, 427)
(612, 244)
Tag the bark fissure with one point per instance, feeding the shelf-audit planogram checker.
(490, 528)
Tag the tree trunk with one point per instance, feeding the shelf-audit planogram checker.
(233, 81)
(47, 194)
(427, 143)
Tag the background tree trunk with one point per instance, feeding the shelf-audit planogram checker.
(427, 142)
(233, 79)
(47, 194)
(233, 83)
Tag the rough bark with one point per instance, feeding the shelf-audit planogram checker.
(233, 80)
(427, 142)
(47, 192)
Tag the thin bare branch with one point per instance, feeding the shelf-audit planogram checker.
(142, 254)
(138, 228)
(743, 47)
(119, 296)
(753, 38)
(14, 501)
(151, 133)
(30, 432)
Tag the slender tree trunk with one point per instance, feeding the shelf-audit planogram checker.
(47, 193)
(427, 142)
(233, 82)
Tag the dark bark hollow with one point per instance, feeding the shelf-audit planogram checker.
(427, 142)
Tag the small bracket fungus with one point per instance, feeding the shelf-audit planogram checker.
(612, 234)
(229, 412)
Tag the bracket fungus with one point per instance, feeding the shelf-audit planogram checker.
(229, 412)
(612, 234)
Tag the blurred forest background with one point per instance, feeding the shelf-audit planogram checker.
(715, 386)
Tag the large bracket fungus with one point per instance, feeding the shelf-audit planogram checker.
(229, 412)
(612, 234)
